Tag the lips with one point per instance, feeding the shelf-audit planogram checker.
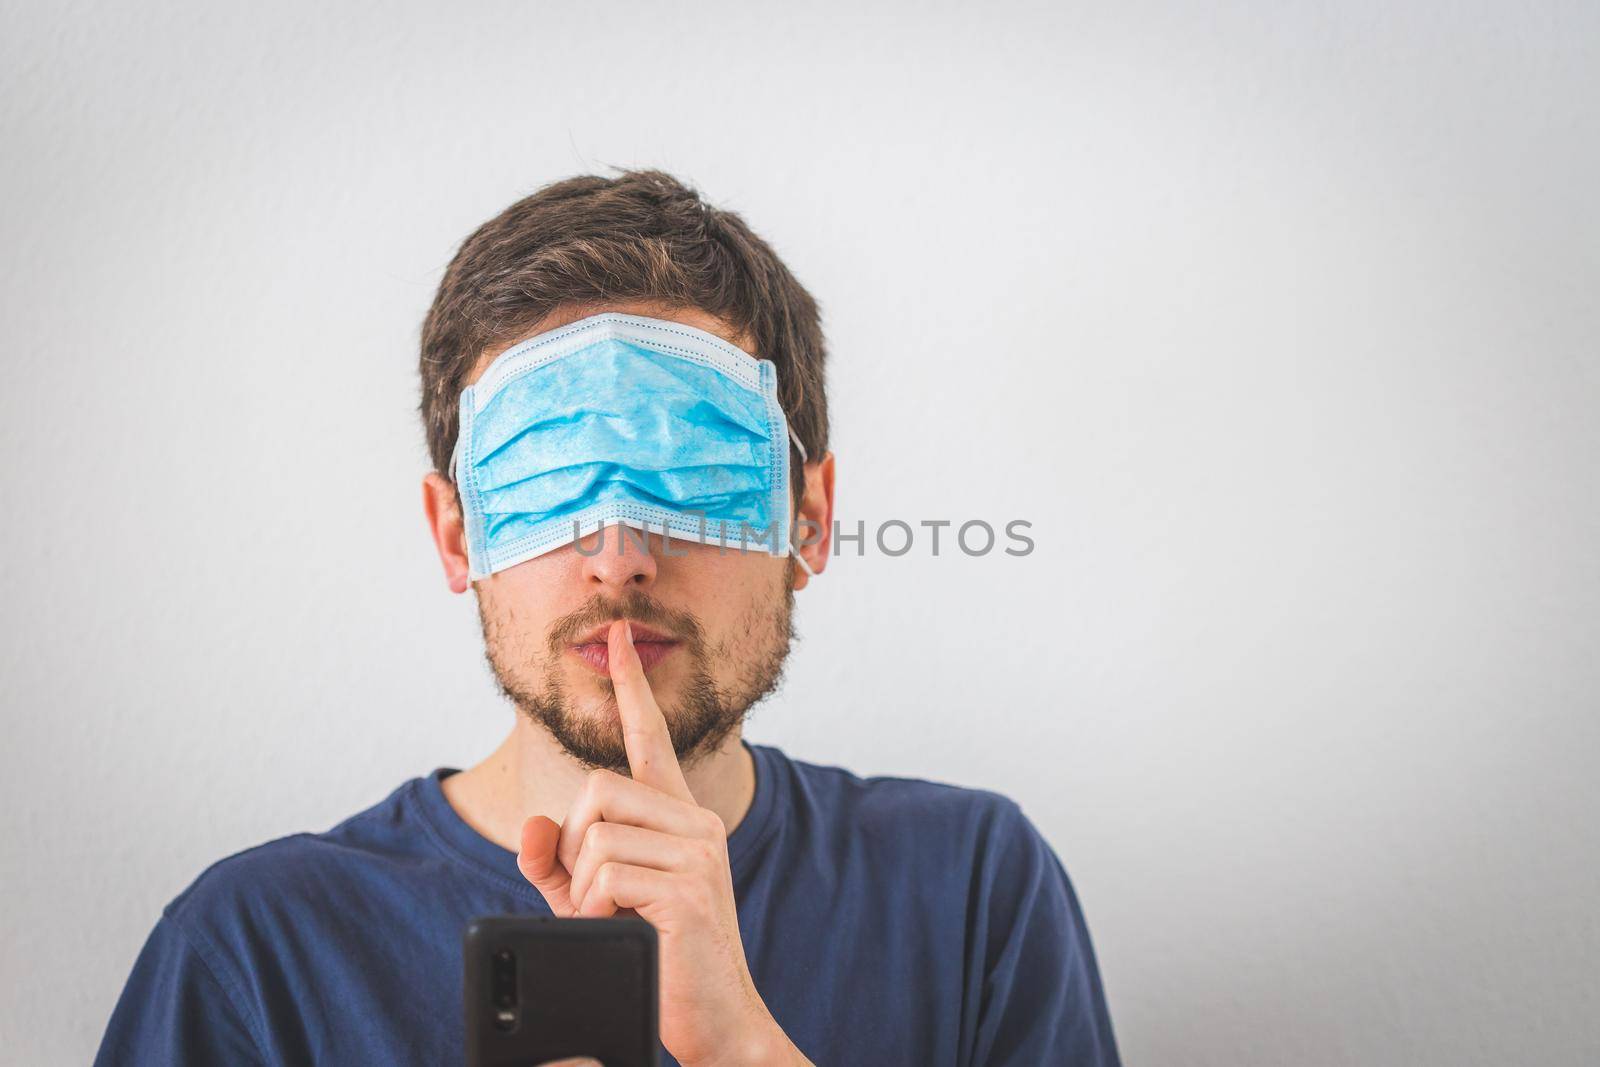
(593, 651)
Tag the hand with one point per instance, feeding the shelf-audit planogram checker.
(642, 846)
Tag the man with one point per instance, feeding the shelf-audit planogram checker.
(804, 914)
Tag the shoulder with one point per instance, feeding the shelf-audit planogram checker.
(894, 797)
(924, 817)
(272, 880)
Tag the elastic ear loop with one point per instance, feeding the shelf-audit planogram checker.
(455, 476)
(798, 558)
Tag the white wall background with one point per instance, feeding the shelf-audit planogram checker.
(1279, 321)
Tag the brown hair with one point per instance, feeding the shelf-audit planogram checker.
(642, 235)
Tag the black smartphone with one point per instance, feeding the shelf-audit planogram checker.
(540, 988)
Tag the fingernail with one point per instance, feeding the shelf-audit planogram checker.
(627, 628)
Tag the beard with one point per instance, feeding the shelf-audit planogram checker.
(704, 714)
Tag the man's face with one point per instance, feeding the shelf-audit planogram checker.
(712, 625)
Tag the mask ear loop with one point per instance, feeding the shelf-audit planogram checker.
(798, 558)
(476, 567)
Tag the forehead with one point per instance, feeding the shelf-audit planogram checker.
(570, 313)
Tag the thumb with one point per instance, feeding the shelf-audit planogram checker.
(538, 863)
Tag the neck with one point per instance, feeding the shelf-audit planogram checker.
(530, 774)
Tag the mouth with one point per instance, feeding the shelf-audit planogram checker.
(594, 653)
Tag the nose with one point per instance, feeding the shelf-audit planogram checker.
(618, 559)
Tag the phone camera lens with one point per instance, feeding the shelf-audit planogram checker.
(503, 988)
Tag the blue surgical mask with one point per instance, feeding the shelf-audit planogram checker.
(620, 419)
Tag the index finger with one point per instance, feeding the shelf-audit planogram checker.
(651, 757)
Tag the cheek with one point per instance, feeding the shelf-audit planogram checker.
(519, 601)
(722, 588)
(736, 598)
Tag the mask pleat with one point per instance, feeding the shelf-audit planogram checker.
(654, 440)
(571, 488)
(619, 385)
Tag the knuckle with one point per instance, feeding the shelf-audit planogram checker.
(596, 790)
(603, 878)
(599, 836)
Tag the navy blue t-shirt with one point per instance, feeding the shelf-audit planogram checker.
(885, 921)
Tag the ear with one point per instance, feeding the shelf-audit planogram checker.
(440, 505)
(814, 520)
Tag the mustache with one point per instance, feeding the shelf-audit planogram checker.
(635, 607)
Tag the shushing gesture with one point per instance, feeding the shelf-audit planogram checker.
(642, 846)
